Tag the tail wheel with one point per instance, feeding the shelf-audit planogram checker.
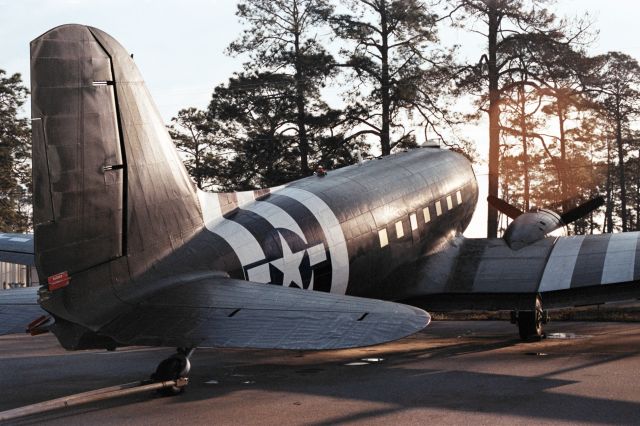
(172, 368)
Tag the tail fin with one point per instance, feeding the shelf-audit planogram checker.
(108, 182)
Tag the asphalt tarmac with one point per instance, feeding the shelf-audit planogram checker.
(454, 372)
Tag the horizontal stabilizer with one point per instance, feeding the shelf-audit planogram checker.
(18, 307)
(223, 312)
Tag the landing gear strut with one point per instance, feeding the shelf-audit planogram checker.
(530, 322)
(175, 367)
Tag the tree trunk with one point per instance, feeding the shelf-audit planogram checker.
(198, 168)
(385, 139)
(623, 186)
(592, 223)
(637, 171)
(564, 173)
(608, 215)
(303, 141)
(494, 119)
(525, 153)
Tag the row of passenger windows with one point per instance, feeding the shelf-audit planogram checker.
(413, 219)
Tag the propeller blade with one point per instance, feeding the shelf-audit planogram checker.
(558, 204)
(582, 210)
(504, 207)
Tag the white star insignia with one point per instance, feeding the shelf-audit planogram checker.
(289, 264)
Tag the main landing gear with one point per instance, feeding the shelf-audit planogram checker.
(177, 368)
(530, 322)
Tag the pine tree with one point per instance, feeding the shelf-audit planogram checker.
(396, 67)
(507, 26)
(15, 157)
(281, 38)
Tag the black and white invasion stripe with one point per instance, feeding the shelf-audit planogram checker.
(256, 225)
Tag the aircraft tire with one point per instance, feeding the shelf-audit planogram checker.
(530, 322)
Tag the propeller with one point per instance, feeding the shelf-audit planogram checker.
(568, 217)
(534, 225)
(504, 207)
(582, 210)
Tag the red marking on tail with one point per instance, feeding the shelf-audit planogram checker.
(58, 281)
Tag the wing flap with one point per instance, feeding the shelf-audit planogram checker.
(223, 312)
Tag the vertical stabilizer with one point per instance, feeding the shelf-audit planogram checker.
(78, 170)
(111, 195)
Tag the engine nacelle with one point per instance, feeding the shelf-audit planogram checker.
(531, 227)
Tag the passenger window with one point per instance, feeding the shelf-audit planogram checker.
(384, 239)
(426, 214)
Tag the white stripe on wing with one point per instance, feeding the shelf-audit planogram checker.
(619, 262)
(559, 269)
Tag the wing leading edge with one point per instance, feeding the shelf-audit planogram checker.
(223, 312)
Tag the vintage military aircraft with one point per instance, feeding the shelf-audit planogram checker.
(130, 253)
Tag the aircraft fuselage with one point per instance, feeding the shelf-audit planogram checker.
(358, 230)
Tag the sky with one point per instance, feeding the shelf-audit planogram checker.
(179, 45)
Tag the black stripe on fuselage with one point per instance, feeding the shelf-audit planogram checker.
(636, 268)
(312, 232)
(466, 267)
(590, 261)
(261, 230)
(224, 257)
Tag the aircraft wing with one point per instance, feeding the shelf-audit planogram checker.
(224, 312)
(17, 248)
(18, 307)
(565, 271)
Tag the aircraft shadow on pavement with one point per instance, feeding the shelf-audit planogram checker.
(395, 382)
